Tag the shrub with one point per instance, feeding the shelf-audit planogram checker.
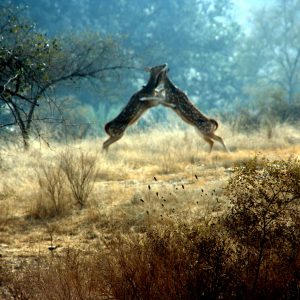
(264, 220)
(252, 252)
(169, 263)
(5, 216)
(69, 178)
(81, 173)
(69, 275)
(52, 196)
(266, 110)
(187, 263)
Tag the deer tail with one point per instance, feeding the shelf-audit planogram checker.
(106, 128)
(216, 124)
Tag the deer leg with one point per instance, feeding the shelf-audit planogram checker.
(219, 139)
(111, 140)
(167, 104)
(152, 98)
(210, 142)
(158, 100)
(159, 92)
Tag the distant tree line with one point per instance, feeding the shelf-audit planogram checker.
(198, 39)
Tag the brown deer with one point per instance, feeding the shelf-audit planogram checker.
(185, 109)
(140, 102)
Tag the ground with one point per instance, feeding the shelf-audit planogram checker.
(145, 176)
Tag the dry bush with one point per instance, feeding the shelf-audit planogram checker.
(68, 180)
(244, 121)
(251, 252)
(178, 262)
(6, 197)
(175, 261)
(69, 275)
(52, 197)
(264, 220)
(5, 216)
(165, 263)
(81, 173)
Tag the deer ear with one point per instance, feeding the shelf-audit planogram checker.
(147, 69)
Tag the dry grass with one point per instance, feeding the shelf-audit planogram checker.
(154, 179)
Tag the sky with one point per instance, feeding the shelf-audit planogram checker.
(245, 7)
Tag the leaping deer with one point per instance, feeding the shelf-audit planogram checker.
(140, 102)
(180, 103)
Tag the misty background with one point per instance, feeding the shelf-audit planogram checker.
(237, 61)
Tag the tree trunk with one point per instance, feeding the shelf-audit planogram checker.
(25, 138)
(19, 121)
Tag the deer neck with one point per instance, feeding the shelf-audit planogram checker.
(169, 85)
(151, 84)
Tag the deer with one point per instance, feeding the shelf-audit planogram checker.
(177, 100)
(144, 99)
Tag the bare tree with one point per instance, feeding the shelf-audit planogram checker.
(276, 34)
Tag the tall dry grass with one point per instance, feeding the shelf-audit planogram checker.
(149, 219)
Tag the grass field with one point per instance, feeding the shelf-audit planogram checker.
(78, 198)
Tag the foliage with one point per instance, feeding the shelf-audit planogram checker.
(275, 107)
(264, 219)
(267, 109)
(270, 55)
(218, 64)
(204, 34)
(70, 119)
(32, 65)
(264, 193)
